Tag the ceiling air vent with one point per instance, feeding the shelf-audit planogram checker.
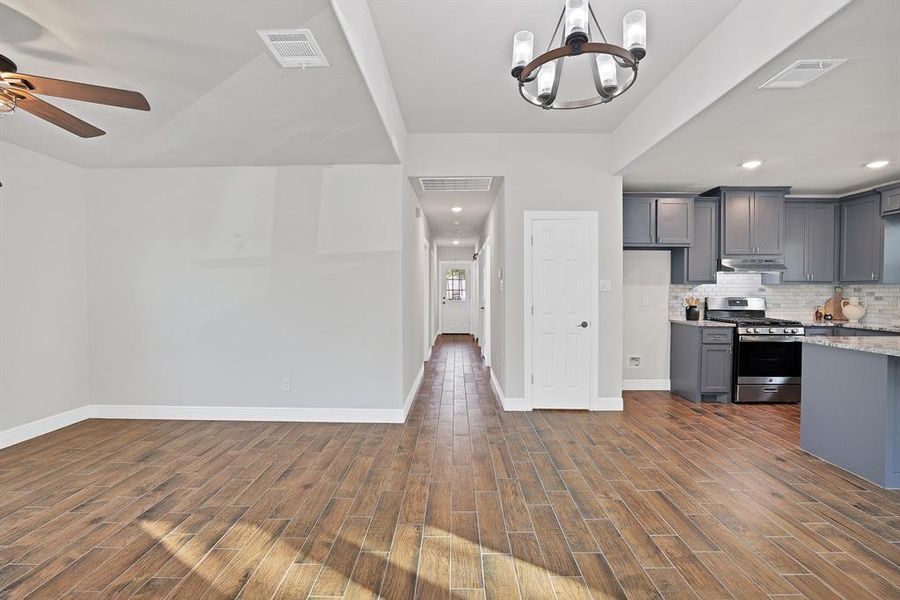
(293, 48)
(800, 73)
(456, 184)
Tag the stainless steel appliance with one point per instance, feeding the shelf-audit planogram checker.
(767, 353)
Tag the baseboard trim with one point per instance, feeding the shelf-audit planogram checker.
(508, 404)
(598, 404)
(413, 392)
(647, 385)
(23, 433)
(247, 413)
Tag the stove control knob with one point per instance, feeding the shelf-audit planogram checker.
(793, 330)
(773, 330)
(753, 330)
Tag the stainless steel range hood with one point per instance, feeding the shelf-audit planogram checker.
(752, 265)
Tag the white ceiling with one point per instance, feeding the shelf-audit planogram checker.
(450, 61)
(816, 138)
(447, 225)
(217, 96)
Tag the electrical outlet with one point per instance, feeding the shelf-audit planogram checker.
(634, 361)
(646, 301)
(285, 384)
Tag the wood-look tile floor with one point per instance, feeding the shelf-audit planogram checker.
(667, 499)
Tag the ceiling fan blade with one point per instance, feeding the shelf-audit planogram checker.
(55, 115)
(84, 92)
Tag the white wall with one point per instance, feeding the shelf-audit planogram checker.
(542, 172)
(494, 231)
(416, 273)
(456, 253)
(646, 319)
(209, 285)
(43, 288)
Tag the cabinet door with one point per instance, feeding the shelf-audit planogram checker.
(795, 241)
(715, 368)
(890, 201)
(737, 219)
(674, 221)
(861, 238)
(639, 217)
(701, 256)
(820, 243)
(768, 223)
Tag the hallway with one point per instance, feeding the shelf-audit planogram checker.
(666, 499)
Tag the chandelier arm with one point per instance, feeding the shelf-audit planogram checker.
(555, 31)
(597, 23)
(624, 55)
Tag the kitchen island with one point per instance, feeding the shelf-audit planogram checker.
(850, 404)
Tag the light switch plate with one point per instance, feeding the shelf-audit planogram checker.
(605, 285)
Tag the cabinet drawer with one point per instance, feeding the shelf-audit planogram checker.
(718, 335)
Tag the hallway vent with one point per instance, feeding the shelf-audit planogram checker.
(456, 184)
(293, 48)
(800, 73)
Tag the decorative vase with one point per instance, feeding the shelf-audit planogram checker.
(853, 310)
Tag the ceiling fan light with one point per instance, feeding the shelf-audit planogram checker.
(606, 68)
(523, 51)
(576, 16)
(7, 104)
(634, 28)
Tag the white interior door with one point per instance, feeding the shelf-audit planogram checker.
(455, 296)
(563, 271)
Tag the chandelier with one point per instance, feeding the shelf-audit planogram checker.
(614, 67)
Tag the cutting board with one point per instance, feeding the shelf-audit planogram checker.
(833, 305)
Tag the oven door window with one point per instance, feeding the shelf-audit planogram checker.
(769, 359)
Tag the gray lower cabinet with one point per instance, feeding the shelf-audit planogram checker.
(698, 263)
(862, 239)
(810, 242)
(890, 200)
(701, 362)
(657, 222)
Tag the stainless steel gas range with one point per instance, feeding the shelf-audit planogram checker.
(767, 353)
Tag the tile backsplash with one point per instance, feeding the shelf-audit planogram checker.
(794, 301)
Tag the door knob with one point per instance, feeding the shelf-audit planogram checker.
(582, 324)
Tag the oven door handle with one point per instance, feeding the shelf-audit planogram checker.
(770, 338)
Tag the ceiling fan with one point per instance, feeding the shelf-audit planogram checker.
(18, 90)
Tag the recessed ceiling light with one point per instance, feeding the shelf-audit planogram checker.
(457, 222)
(877, 164)
(456, 242)
(751, 164)
(456, 209)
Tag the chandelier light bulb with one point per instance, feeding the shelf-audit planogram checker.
(606, 67)
(577, 15)
(545, 81)
(634, 27)
(523, 51)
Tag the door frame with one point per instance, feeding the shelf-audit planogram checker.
(441, 289)
(484, 255)
(593, 219)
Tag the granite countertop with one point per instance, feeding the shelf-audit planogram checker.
(888, 345)
(811, 323)
(701, 323)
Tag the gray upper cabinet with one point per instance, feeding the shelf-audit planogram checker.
(810, 242)
(674, 221)
(862, 238)
(697, 264)
(890, 200)
(752, 221)
(639, 217)
(737, 223)
(651, 221)
(768, 222)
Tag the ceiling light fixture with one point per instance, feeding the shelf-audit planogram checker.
(610, 65)
(877, 164)
(751, 164)
(456, 209)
